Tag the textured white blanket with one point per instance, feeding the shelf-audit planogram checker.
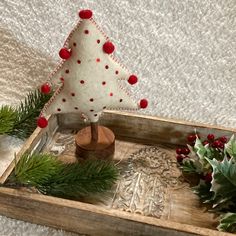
(184, 53)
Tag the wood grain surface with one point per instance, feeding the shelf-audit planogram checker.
(145, 155)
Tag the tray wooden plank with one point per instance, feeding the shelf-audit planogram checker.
(157, 191)
(133, 132)
(8, 147)
(148, 128)
(89, 219)
(38, 138)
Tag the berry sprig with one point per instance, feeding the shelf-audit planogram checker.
(212, 162)
(182, 153)
(211, 140)
(214, 147)
(215, 143)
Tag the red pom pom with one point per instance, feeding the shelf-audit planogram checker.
(143, 103)
(85, 14)
(108, 47)
(45, 88)
(42, 122)
(133, 79)
(64, 53)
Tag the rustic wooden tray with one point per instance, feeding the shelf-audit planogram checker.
(151, 197)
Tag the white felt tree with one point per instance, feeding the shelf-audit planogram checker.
(88, 75)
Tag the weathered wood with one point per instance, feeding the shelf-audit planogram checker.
(38, 138)
(182, 214)
(8, 147)
(88, 219)
(148, 129)
(148, 176)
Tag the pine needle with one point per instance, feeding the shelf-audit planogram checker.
(52, 177)
(7, 118)
(27, 112)
(35, 170)
(82, 179)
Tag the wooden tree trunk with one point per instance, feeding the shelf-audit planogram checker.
(95, 141)
(94, 131)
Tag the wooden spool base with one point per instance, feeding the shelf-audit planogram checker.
(103, 148)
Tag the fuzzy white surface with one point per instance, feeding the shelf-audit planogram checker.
(184, 53)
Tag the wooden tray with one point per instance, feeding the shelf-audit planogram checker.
(151, 197)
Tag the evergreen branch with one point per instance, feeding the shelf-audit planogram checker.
(52, 177)
(27, 112)
(7, 118)
(35, 170)
(81, 179)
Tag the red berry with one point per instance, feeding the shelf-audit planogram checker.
(85, 14)
(179, 158)
(223, 139)
(179, 151)
(205, 143)
(216, 144)
(192, 138)
(211, 137)
(208, 177)
(221, 145)
(143, 103)
(185, 151)
(64, 53)
(108, 47)
(42, 122)
(45, 88)
(133, 79)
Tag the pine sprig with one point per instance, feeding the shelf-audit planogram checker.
(82, 179)
(27, 112)
(35, 170)
(52, 177)
(7, 119)
(21, 121)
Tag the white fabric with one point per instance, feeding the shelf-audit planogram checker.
(183, 51)
(90, 76)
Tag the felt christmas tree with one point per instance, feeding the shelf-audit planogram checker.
(88, 77)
